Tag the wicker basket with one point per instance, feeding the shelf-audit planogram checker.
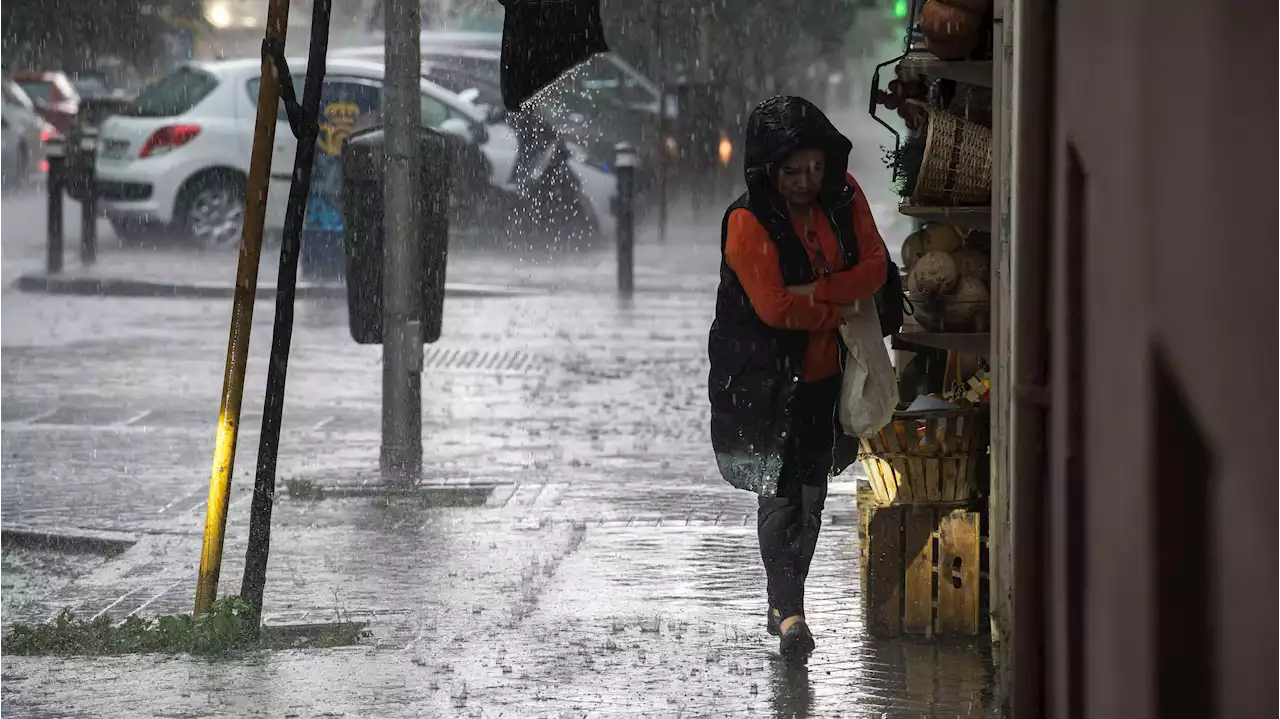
(928, 457)
(956, 169)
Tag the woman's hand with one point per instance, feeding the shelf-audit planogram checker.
(850, 310)
(802, 290)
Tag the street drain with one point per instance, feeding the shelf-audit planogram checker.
(428, 495)
(474, 360)
(318, 635)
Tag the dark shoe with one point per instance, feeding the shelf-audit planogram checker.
(798, 641)
(772, 619)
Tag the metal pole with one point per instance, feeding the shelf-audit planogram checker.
(56, 153)
(253, 586)
(224, 452)
(625, 162)
(401, 456)
(706, 147)
(89, 198)
(662, 125)
(693, 154)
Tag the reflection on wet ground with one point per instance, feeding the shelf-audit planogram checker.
(599, 567)
(792, 692)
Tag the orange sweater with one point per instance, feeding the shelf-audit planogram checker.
(752, 255)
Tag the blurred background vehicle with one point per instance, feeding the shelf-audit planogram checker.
(25, 133)
(601, 103)
(90, 84)
(177, 157)
(53, 95)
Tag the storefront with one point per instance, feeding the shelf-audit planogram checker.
(932, 511)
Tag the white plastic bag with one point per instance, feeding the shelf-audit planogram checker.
(869, 388)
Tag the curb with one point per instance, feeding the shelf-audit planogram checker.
(435, 495)
(120, 287)
(83, 541)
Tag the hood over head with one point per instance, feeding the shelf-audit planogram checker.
(779, 127)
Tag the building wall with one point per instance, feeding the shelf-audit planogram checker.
(1161, 491)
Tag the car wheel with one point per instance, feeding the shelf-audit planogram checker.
(211, 211)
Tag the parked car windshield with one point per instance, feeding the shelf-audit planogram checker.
(14, 95)
(38, 90)
(90, 86)
(174, 93)
(457, 81)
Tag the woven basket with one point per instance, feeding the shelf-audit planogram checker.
(928, 457)
(956, 169)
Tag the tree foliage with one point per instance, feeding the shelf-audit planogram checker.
(732, 41)
(71, 34)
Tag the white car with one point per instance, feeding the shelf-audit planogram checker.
(180, 158)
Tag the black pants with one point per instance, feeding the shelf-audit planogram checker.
(788, 524)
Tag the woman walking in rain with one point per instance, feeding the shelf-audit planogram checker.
(798, 250)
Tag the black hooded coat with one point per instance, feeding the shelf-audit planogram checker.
(755, 367)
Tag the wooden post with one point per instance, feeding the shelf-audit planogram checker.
(253, 585)
(224, 452)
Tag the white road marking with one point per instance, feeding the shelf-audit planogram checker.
(183, 498)
(150, 601)
(110, 606)
(135, 418)
(38, 416)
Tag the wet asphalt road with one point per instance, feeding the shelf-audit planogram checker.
(608, 572)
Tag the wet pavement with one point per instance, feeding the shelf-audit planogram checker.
(590, 564)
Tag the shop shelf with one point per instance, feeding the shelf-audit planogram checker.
(971, 72)
(972, 343)
(968, 218)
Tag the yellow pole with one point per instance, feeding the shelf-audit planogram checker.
(224, 453)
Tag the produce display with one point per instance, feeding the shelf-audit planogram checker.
(947, 280)
(912, 249)
(953, 28)
(972, 262)
(899, 96)
(934, 274)
(977, 7)
(970, 307)
(942, 238)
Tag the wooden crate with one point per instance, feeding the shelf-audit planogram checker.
(923, 571)
(928, 457)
